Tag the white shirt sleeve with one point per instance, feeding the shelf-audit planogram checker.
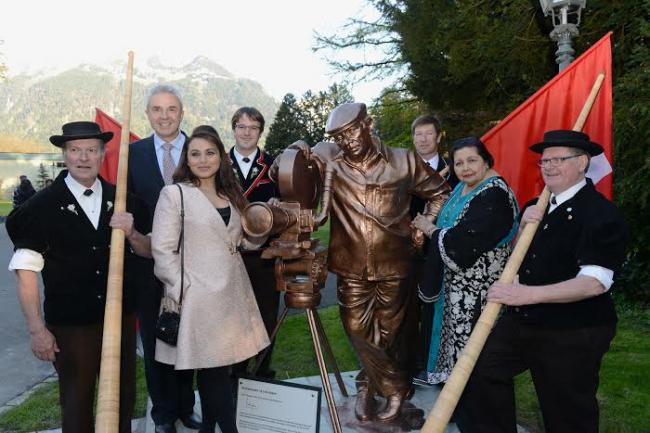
(604, 275)
(26, 259)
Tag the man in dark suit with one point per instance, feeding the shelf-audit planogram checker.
(427, 133)
(152, 162)
(251, 165)
(64, 232)
(559, 317)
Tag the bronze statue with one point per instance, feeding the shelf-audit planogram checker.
(371, 245)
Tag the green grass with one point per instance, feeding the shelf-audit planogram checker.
(5, 207)
(323, 234)
(624, 392)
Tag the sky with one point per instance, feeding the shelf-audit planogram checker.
(268, 41)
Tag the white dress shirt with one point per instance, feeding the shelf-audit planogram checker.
(433, 162)
(245, 167)
(177, 146)
(604, 275)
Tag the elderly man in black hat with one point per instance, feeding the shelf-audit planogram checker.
(64, 232)
(559, 317)
(370, 248)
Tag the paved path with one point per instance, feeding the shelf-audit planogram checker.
(19, 369)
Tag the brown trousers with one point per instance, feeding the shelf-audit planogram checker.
(373, 315)
(77, 365)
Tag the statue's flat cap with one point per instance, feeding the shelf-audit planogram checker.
(345, 115)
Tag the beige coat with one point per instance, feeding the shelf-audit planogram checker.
(220, 321)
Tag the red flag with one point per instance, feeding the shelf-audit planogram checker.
(112, 154)
(557, 106)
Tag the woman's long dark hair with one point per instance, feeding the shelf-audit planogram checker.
(224, 182)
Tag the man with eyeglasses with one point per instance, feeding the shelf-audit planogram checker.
(426, 131)
(251, 165)
(559, 316)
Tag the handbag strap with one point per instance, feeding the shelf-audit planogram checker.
(181, 245)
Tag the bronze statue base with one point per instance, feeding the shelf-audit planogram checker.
(411, 418)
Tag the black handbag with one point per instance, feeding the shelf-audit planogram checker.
(170, 317)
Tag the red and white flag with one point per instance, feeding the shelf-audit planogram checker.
(106, 123)
(557, 106)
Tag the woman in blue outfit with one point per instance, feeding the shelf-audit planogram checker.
(470, 244)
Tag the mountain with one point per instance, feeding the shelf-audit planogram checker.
(34, 106)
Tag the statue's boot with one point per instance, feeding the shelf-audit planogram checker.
(392, 409)
(363, 406)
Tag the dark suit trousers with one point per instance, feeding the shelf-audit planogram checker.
(424, 312)
(215, 389)
(262, 275)
(171, 392)
(77, 365)
(564, 364)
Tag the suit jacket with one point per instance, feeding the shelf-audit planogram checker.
(145, 179)
(75, 253)
(584, 230)
(417, 204)
(257, 186)
(220, 322)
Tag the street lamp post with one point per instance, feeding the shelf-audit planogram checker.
(566, 19)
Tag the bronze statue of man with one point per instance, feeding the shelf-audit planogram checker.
(370, 247)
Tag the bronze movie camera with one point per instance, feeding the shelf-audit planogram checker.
(301, 261)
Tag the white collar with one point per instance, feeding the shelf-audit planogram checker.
(567, 194)
(240, 158)
(433, 161)
(177, 143)
(78, 189)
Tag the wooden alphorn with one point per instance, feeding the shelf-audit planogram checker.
(108, 396)
(450, 395)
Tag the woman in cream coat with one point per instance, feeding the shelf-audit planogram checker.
(220, 321)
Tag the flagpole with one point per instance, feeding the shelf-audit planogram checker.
(450, 395)
(108, 396)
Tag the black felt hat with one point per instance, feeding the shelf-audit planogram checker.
(78, 131)
(568, 138)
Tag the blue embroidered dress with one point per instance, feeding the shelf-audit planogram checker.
(469, 251)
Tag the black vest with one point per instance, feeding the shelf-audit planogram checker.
(257, 186)
(585, 230)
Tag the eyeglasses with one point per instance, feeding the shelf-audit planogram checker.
(554, 162)
(241, 128)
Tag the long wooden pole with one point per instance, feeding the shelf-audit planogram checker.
(108, 397)
(450, 395)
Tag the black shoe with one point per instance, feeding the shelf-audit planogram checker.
(166, 428)
(191, 421)
(421, 379)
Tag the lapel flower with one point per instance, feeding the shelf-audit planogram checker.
(109, 206)
(71, 208)
(255, 171)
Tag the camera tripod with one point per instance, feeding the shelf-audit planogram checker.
(303, 292)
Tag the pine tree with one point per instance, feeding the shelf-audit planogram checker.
(42, 176)
(286, 128)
